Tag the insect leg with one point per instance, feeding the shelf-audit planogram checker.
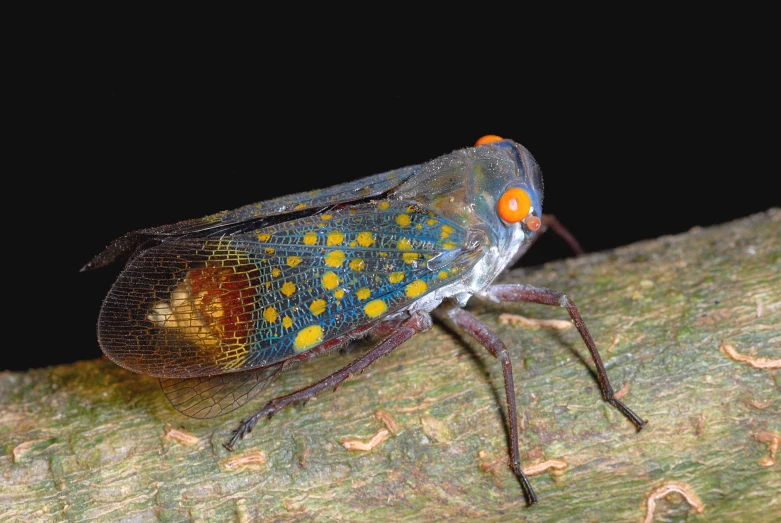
(541, 295)
(479, 331)
(418, 322)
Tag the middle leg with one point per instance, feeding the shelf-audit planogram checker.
(480, 332)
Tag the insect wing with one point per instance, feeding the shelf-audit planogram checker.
(201, 306)
(269, 211)
(211, 396)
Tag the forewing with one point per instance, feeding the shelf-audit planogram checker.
(205, 306)
(368, 187)
(210, 396)
(269, 211)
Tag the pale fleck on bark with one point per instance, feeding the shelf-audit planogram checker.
(180, 436)
(88, 441)
(354, 444)
(760, 363)
(773, 443)
(667, 489)
(555, 464)
(623, 391)
(613, 343)
(533, 323)
(250, 461)
(388, 420)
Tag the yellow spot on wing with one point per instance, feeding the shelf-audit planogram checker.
(449, 245)
(300, 206)
(293, 260)
(339, 294)
(365, 239)
(287, 322)
(270, 314)
(363, 293)
(325, 217)
(334, 238)
(405, 245)
(446, 230)
(310, 238)
(308, 337)
(275, 272)
(395, 277)
(288, 288)
(317, 307)
(384, 206)
(416, 288)
(432, 221)
(264, 237)
(330, 280)
(442, 275)
(269, 250)
(357, 264)
(374, 308)
(403, 220)
(334, 258)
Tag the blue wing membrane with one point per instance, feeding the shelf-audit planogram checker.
(200, 306)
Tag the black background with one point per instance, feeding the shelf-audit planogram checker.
(633, 143)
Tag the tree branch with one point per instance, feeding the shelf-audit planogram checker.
(93, 442)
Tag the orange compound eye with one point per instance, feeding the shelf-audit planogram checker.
(514, 205)
(488, 138)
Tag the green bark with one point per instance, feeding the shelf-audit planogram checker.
(86, 442)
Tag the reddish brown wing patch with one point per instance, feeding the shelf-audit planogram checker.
(225, 300)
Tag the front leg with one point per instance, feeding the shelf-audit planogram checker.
(530, 294)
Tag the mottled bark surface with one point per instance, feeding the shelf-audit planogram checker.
(87, 442)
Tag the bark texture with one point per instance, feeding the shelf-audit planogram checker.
(93, 442)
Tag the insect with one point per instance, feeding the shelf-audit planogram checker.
(217, 307)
